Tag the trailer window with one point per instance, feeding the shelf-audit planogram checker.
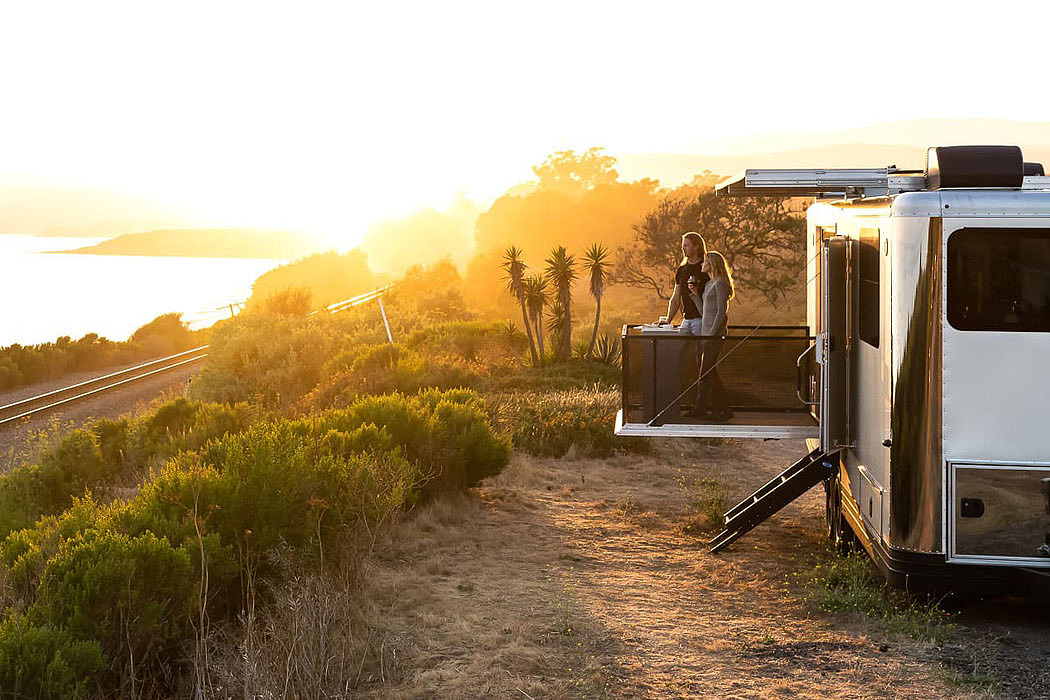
(868, 286)
(999, 279)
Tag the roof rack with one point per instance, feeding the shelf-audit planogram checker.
(813, 182)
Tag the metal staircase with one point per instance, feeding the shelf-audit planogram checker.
(774, 495)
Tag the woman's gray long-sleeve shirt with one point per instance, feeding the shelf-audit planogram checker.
(715, 309)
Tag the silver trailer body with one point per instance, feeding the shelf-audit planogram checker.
(946, 437)
(928, 314)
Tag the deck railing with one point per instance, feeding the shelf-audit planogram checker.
(767, 370)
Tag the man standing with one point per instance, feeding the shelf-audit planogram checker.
(693, 251)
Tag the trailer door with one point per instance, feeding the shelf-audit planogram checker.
(834, 345)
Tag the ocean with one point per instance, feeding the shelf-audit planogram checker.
(44, 296)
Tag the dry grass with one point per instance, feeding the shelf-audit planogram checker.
(579, 579)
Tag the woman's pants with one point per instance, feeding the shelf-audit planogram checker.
(712, 394)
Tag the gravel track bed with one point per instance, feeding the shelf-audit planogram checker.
(17, 442)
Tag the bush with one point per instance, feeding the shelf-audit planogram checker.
(271, 359)
(565, 376)
(46, 662)
(108, 453)
(385, 369)
(548, 425)
(448, 434)
(132, 595)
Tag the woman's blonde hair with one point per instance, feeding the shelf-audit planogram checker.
(697, 239)
(720, 268)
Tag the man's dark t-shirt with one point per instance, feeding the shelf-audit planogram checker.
(681, 276)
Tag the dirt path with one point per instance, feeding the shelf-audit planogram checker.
(578, 579)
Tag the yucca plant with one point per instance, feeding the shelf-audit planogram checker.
(596, 262)
(537, 297)
(607, 350)
(561, 271)
(514, 274)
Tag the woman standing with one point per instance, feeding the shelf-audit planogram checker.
(711, 400)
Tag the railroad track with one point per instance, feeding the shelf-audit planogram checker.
(11, 413)
(36, 405)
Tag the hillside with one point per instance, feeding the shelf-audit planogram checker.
(207, 243)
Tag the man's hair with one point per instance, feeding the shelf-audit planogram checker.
(697, 239)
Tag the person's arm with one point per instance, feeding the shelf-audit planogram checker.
(721, 290)
(674, 302)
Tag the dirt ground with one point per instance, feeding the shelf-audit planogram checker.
(586, 579)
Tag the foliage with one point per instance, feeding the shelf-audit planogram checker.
(109, 453)
(597, 265)
(271, 359)
(849, 583)
(514, 275)
(131, 595)
(561, 272)
(577, 199)
(575, 374)
(118, 585)
(28, 364)
(164, 335)
(294, 301)
(762, 239)
(536, 291)
(46, 662)
(328, 277)
(552, 423)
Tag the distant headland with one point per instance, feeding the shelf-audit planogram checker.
(207, 243)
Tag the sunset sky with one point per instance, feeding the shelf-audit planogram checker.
(326, 116)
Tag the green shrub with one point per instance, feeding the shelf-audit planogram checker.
(269, 358)
(549, 424)
(385, 369)
(565, 376)
(133, 595)
(46, 662)
(110, 452)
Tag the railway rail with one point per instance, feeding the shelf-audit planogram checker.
(12, 413)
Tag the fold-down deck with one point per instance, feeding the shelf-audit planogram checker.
(770, 376)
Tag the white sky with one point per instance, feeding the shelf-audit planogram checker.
(326, 116)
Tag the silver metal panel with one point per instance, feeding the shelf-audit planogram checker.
(1011, 523)
(722, 430)
(916, 461)
(996, 384)
(798, 182)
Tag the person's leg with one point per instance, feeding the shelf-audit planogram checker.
(718, 400)
(708, 358)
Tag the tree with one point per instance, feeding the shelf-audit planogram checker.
(572, 175)
(514, 270)
(561, 271)
(762, 239)
(596, 262)
(537, 297)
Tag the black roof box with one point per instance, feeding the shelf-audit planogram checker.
(1035, 169)
(974, 166)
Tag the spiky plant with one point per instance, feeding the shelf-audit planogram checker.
(561, 271)
(537, 297)
(596, 263)
(514, 275)
(607, 350)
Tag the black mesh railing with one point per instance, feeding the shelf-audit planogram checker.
(770, 369)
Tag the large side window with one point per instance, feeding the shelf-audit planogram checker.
(868, 293)
(999, 279)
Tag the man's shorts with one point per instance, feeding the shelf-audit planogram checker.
(690, 326)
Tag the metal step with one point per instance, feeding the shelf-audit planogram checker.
(774, 495)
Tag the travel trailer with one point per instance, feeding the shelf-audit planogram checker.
(920, 379)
